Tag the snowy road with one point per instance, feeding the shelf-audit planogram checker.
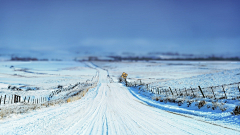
(107, 109)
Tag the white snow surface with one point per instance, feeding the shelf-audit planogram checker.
(43, 75)
(168, 71)
(110, 108)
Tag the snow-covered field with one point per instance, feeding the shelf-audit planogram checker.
(219, 82)
(40, 84)
(164, 71)
(39, 78)
(111, 107)
(44, 75)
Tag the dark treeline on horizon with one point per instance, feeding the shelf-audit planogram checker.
(212, 58)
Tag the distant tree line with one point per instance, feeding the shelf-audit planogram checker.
(27, 59)
(211, 58)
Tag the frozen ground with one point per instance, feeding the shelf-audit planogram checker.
(181, 75)
(111, 108)
(163, 71)
(39, 79)
(44, 75)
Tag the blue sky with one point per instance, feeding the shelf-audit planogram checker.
(187, 26)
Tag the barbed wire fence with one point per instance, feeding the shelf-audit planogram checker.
(8, 99)
(225, 91)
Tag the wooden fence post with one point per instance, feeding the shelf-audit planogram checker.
(4, 99)
(0, 100)
(201, 91)
(186, 91)
(180, 92)
(28, 99)
(176, 92)
(239, 88)
(213, 92)
(171, 90)
(12, 99)
(224, 92)
(192, 92)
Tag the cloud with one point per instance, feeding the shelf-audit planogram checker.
(186, 26)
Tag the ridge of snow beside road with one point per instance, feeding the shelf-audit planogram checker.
(217, 116)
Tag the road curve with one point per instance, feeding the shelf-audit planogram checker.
(107, 109)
